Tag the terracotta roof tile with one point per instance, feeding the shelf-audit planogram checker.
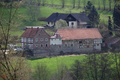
(72, 34)
(30, 32)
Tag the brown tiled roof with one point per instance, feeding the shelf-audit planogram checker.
(30, 32)
(115, 40)
(72, 34)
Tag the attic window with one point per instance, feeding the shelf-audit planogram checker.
(69, 18)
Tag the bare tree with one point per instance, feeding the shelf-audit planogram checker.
(43, 2)
(78, 3)
(33, 9)
(99, 4)
(62, 73)
(63, 3)
(12, 68)
(104, 4)
(41, 72)
(110, 5)
(52, 3)
(78, 70)
(84, 2)
(73, 2)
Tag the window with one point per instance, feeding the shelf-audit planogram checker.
(71, 45)
(80, 46)
(36, 39)
(36, 45)
(41, 45)
(46, 39)
(87, 46)
(39, 34)
(80, 42)
(65, 45)
(41, 39)
(97, 44)
(46, 45)
(48, 22)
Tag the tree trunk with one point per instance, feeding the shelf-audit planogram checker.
(109, 5)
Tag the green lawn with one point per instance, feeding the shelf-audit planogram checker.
(47, 11)
(54, 62)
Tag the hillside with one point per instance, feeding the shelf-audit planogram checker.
(47, 10)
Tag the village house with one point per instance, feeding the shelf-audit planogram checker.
(36, 39)
(65, 40)
(76, 40)
(74, 20)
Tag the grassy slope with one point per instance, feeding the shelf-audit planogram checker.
(54, 62)
(69, 3)
(45, 12)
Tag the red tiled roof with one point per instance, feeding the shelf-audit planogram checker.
(72, 34)
(30, 32)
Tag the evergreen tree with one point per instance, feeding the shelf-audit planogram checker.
(110, 26)
(94, 16)
(88, 7)
(116, 16)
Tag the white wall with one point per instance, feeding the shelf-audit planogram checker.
(55, 41)
(83, 22)
(22, 45)
(74, 25)
(50, 24)
(97, 44)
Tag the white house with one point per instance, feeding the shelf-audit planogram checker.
(74, 20)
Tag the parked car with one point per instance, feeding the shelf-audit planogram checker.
(18, 49)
